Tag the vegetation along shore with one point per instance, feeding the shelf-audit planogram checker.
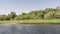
(48, 15)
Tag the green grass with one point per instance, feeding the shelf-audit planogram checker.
(45, 21)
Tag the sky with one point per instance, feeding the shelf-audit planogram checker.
(19, 6)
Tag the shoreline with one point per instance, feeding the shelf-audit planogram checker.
(31, 22)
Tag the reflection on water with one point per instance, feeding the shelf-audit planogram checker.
(29, 29)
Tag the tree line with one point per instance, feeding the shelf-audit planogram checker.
(48, 13)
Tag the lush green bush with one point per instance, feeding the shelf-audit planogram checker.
(49, 15)
(4, 17)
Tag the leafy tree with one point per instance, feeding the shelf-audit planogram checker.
(23, 13)
(49, 15)
(4, 17)
(12, 15)
(57, 14)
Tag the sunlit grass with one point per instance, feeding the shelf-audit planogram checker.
(45, 21)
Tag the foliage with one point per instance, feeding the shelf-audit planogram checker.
(48, 13)
(12, 15)
(4, 17)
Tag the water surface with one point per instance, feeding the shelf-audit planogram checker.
(30, 29)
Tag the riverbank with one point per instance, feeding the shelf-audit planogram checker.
(57, 21)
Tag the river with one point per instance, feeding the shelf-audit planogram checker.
(30, 29)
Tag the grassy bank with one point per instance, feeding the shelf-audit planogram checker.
(45, 21)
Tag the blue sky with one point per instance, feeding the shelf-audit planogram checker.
(19, 6)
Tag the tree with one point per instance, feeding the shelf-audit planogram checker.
(58, 8)
(23, 13)
(57, 14)
(4, 17)
(49, 15)
(12, 15)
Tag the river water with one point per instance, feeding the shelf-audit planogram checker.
(30, 29)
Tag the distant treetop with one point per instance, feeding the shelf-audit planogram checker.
(58, 7)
